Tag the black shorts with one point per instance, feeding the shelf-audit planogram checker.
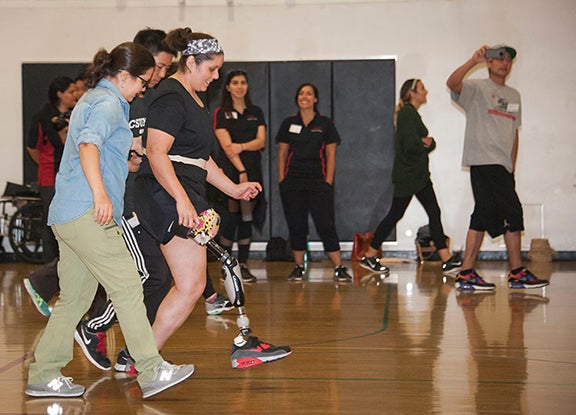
(156, 209)
(497, 208)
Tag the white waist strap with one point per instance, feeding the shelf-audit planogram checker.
(187, 160)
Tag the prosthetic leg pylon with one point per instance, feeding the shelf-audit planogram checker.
(247, 350)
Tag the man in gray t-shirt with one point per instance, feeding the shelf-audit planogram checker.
(493, 116)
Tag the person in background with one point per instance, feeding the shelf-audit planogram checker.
(241, 132)
(306, 165)
(85, 215)
(411, 177)
(45, 144)
(80, 82)
(493, 116)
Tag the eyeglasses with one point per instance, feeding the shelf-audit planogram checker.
(144, 81)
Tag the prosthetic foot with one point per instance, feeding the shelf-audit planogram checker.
(247, 350)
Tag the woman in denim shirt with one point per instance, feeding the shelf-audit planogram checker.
(85, 215)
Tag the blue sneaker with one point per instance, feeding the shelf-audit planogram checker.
(472, 281)
(41, 305)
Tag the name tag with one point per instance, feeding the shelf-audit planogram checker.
(512, 107)
(231, 115)
(295, 128)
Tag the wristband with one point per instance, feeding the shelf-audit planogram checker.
(242, 172)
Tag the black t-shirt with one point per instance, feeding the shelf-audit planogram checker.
(307, 152)
(137, 124)
(174, 111)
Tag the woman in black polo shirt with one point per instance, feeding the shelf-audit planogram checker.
(306, 164)
(241, 132)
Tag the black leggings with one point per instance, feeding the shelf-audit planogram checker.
(427, 199)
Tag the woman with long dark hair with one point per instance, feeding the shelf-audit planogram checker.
(241, 132)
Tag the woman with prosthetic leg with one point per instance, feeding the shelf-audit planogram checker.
(247, 350)
(170, 189)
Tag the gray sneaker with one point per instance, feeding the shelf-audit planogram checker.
(166, 376)
(219, 305)
(60, 387)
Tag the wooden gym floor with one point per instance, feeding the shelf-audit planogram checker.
(406, 344)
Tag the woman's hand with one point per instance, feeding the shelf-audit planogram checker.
(233, 150)
(187, 215)
(246, 190)
(103, 209)
(427, 141)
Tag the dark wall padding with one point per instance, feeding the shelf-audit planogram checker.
(36, 78)
(359, 97)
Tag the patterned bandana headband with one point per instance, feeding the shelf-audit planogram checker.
(201, 47)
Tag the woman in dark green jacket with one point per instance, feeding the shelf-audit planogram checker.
(411, 177)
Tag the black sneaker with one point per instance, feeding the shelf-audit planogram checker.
(93, 344)
(125, 363)
(247, 276)
(525, 279)
(472, 281)
(255, 352)
(453, 265)
(297, 273)
(341, 274)
(372, 263)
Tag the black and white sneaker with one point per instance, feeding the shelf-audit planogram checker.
(453, 265)
(93, 344)
(297, 273)
(341, 274)
(372, 263)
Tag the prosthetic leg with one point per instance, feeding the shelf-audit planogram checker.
(247, 350)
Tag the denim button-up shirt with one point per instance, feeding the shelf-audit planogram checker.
(99, 118)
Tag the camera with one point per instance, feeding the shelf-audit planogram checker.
(61, 121)
(498, 53)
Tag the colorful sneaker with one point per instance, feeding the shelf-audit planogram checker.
(219, 305)
(525, 279)
(341, 274)
(60, 387)
(372, 263)
(453, 265)
(472, 281)
(297, 273)
(125, 363)
(247, 276)
(255, 352)
(40, 304)
(166, 375)
(93, 344)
